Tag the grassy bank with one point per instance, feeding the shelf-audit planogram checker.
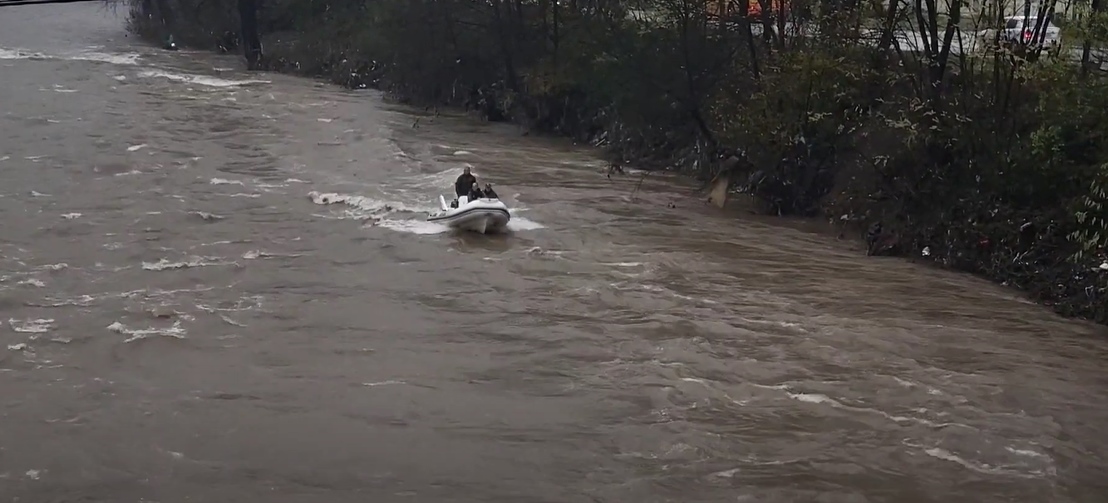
(992, 162)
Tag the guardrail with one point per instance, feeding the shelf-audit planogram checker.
(12, 3)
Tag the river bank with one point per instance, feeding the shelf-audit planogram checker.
(991, 167)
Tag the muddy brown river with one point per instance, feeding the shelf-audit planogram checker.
(218, 287)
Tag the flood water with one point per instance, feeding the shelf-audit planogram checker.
(218, 286)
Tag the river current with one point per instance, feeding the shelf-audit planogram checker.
(217, 286)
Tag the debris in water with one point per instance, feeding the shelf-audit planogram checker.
(31, 326)
(210, 217)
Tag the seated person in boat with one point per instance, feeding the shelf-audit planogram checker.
(475, 192)
(465, 183)
(489, 192)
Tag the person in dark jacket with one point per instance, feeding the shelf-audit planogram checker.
(475, 192)
(464, 184)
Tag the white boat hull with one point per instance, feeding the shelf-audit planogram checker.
(485, 216)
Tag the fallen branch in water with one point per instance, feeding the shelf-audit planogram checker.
(615, 167)
(639, 185)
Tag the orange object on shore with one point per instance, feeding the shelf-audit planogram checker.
(754, 7)
(777, 6)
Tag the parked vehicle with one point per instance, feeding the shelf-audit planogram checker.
(1019, 30)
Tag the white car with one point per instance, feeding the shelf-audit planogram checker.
(1019, 30)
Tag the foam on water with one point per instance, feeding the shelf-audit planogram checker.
(423, 227)
(92, 56)
(523, 224)
(199, 79)
(80, 301)
(412, 226)
(383, 383)
(164, 264)
(257, 254)
(1021, 465)
(174, 331)
(130, 58)
(6, 53)
(226, 319)
(364, 206)
(31, 326)
(671, 293)
(248, 303)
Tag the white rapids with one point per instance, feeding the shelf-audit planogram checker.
(485, 215)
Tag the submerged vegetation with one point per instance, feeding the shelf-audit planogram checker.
(914, 119)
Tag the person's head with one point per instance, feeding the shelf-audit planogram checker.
(466, 170)
(475, 186)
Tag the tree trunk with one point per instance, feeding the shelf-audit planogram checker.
(744, 14)
(251, 43)
(505, 50)
(1086, 50)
